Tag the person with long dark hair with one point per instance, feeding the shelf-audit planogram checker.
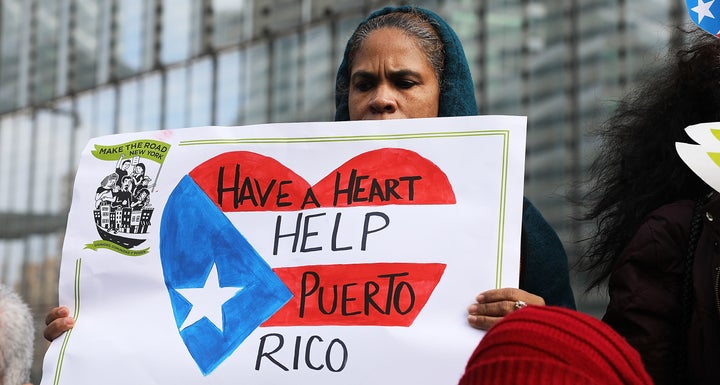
(656, 240)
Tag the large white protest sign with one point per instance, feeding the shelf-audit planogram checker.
(323, 253)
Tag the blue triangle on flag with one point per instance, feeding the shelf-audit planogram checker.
(195, 235)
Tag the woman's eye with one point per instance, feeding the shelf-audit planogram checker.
(404, 84)
(363, 86)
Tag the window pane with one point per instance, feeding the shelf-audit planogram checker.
(11, 32)
(86, 123)
(105, 112)
(276, 16)
(149, 33)
(8, 166)
(503, 61)
(62, 167)
(63, 47)
(150, 106)
(645, 35)
(12, 266)
(42, 178)
(319, 76)
(228, 21)
(176, 22)
(201, 93)
(285, 79)
(129, 103)
(46, 50)
(35, 249)
(20, 152)
(256, 83)
(85, 44)
(130, 43)
(175, 102)
(228, 89)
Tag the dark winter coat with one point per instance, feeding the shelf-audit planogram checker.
(646, 295)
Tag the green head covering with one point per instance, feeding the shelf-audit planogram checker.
(457, 93)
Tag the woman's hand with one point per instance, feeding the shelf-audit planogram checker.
(57, 321)
(494, 304)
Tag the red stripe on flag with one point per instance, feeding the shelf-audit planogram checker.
(381, 294)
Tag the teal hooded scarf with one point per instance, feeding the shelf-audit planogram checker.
(457, 91)
(544, 266)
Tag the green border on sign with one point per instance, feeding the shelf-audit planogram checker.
(63, 347)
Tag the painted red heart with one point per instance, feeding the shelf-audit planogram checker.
(389, 294)
(247, 181)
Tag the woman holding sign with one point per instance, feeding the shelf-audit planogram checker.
(657, 237)
(407, 62)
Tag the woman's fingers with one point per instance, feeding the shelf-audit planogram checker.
(482, 322)
(55, 313)
(57, 322)
(494, 304)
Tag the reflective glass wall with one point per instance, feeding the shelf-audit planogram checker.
(72, 69)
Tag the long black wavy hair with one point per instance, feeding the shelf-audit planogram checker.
(638, 169)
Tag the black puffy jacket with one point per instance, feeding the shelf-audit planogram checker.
(646, 295)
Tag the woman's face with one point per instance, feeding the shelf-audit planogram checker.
(391, 78)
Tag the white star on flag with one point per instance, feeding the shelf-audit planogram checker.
(703, 9)
(207, 301)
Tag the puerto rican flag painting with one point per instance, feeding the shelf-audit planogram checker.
(705, 13)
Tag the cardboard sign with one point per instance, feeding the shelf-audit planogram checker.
(323, 253)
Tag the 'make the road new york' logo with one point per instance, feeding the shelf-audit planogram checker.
(221, 289)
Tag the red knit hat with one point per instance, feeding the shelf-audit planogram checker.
(547, 345)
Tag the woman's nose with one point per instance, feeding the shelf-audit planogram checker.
(384, 101)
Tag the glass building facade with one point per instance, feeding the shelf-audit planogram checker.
(71, 70)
